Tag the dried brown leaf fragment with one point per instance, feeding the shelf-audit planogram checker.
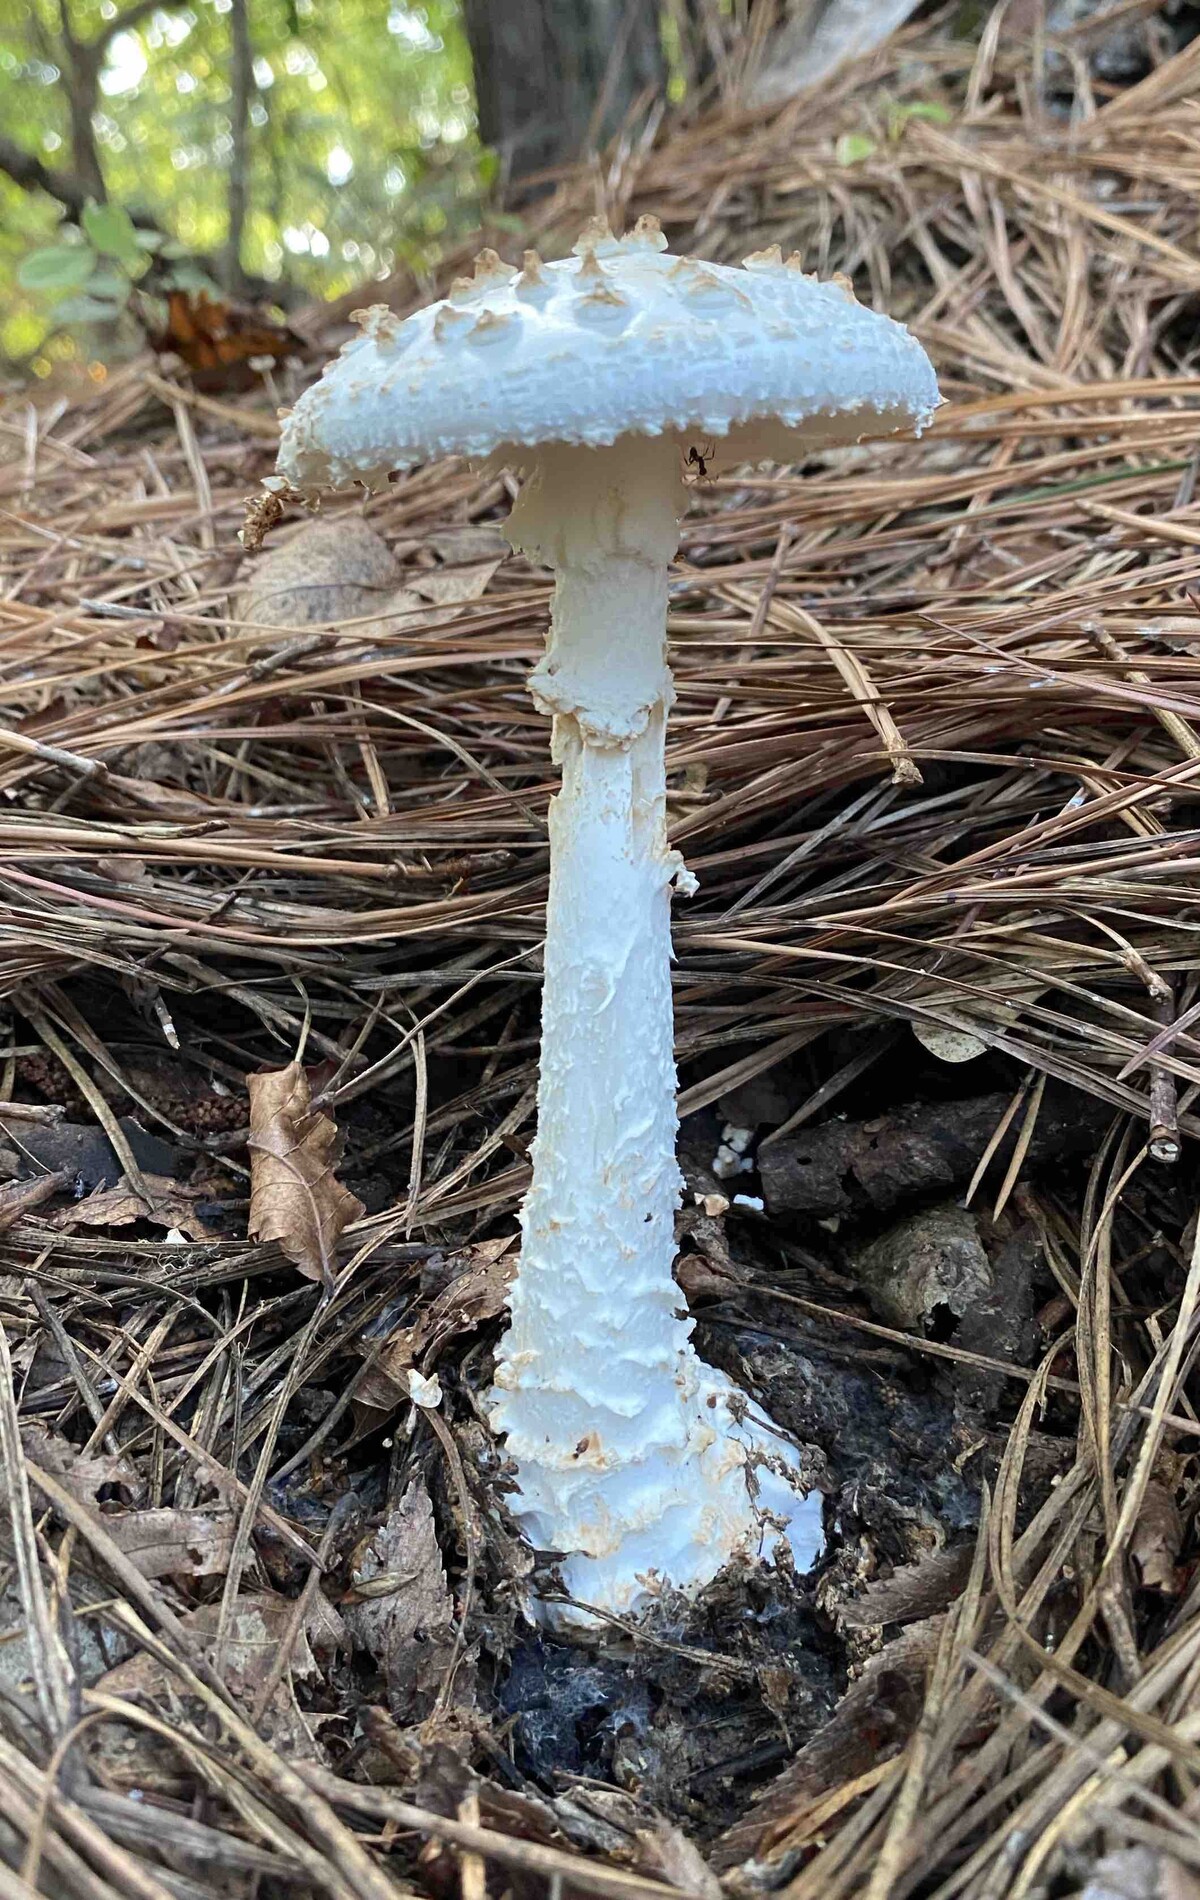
(403, 1615)
(295, 1196)
(330, 572)
(260, 1622)
(475, 1291)
(84, 1474)
(166, 1203)
(1156, 1542)
(171, 1543)
(912, 1591)
(447, 587)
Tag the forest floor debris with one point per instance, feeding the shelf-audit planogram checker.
(934, 763)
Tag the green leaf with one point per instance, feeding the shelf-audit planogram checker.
(87, 310)
(852, 147)
(110, 229)
(189, 276)
(58, 267)
(111, 285)
(899, 116)
(928, 109)
(148, 240)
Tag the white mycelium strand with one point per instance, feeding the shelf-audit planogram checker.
(634, 1457)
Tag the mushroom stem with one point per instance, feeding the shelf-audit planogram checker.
(631, 1454)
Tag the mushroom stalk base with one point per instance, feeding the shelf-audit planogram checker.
(640, 1463)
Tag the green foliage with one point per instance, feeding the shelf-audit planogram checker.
(930, 109)
(853, 147)
(103, 263)
(110, 230)
(58, 267)
(362, 148)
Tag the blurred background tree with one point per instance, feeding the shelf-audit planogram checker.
(282, 150)
(555, 76)
(295, 147)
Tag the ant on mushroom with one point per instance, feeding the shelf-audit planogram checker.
(699, 459)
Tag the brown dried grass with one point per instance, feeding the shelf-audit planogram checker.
(933, 761)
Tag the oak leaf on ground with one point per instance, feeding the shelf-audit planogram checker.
(1156, 1542)
(295, 1195)
(166, 1203)
(260, 1622)
(401, 1612)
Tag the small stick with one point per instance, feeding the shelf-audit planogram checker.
(44, 1114)
(53, 755)
(472, 1866)
(1164, 1107)
(1170, 722)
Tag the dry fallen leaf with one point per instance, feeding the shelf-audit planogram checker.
(257, 1627)
(477, 541)
(933, 1258)
(445, 587)
(169, 1543)
(445, 1784)
(329, 572)
(404, 1617)
(166, 1203)
(949, 1045)
(700, 1278)
(913, 1590)
(927, 1260)
(84, 1477)
(612, 1822)
(706, 1269)
(477, 1293)
(1157, 1536)
(122, 869)
(872, 1722)
(295, 1197)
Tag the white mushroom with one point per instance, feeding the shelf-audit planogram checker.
(639, 1462)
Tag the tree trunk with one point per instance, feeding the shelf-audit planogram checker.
(81, 64)
(241, 88)
(555, 77)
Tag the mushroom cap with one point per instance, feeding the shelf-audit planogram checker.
(618, 339)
